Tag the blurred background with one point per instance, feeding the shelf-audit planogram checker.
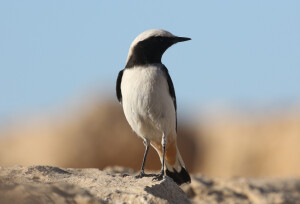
(237, 84)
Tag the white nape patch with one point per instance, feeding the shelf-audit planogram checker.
(147, 34)
(147, 104)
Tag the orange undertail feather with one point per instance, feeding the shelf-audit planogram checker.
(174, 164)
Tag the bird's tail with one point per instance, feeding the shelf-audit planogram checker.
(174, 164)
(177, 171)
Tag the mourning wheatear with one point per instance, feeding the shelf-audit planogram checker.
(146, 92)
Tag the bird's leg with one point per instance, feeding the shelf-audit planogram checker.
(142, 173)
(162, 171)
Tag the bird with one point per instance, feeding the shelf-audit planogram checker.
(146, 92)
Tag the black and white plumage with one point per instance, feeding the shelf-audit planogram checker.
(146, 92)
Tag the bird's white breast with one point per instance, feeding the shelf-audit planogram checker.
(146, 101)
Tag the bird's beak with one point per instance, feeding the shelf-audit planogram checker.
(181, 39)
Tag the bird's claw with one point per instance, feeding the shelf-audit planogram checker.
(140, 175)
(158, 177)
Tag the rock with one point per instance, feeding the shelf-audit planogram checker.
(242, 190)
(47, 184)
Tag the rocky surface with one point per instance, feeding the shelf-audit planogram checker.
(242, 190)
(47, 184)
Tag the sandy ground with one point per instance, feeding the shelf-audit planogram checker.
(48, 184)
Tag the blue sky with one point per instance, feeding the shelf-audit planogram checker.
(242, 52)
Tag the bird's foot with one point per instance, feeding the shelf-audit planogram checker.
(140, 175)
(159, 177)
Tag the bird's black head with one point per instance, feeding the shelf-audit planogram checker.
(149, 47)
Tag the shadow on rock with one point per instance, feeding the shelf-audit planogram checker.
(169, 191)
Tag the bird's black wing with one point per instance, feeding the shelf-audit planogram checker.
(171, 90)
(118, 86)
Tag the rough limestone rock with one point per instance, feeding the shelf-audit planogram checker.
(242, 190)
(47, 184)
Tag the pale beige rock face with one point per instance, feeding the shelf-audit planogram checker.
(47, 184)
(243, 190)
